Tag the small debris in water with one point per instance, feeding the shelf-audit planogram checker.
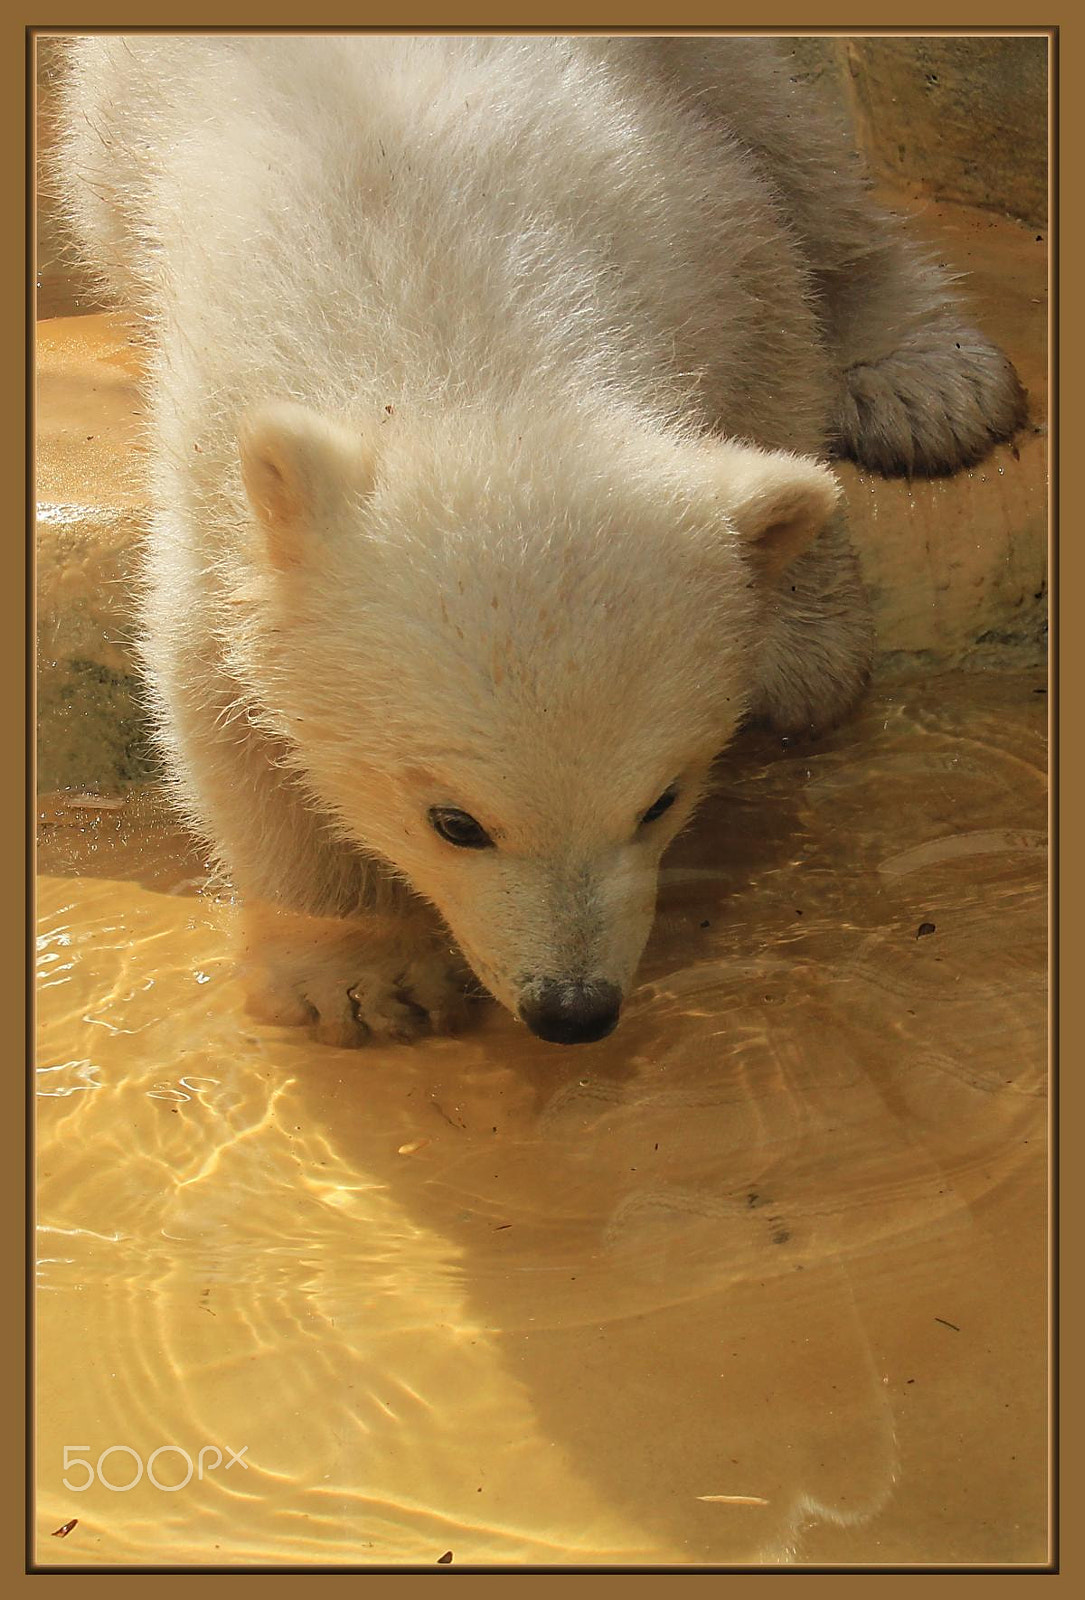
(411, 1146)
(706, 924)
(450, 1120)
(62, 1533)
(443, 1561)
(946, 1324)
(734, 1499)
(923, 930)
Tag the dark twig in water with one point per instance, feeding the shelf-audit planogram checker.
(451, 1122)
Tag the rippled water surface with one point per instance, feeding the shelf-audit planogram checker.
(760, 1278)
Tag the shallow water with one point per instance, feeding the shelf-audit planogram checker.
(760, 1278)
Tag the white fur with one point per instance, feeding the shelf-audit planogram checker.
(486, 381)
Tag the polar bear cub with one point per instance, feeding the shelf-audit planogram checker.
(490, 385)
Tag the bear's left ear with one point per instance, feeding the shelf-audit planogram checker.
(777, 503)
(300, 470)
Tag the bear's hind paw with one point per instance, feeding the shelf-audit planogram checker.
(936, 404)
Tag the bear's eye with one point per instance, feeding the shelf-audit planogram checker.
(459, 828)
(664, 803)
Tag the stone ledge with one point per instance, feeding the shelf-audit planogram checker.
(958, 565)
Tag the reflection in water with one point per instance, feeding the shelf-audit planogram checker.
(761, 1277)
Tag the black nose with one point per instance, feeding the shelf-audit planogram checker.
(571, 1013)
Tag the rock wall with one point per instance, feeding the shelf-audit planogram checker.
(960, 119)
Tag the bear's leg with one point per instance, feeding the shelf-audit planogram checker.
(816, 639)
(919, 391)
(328, 938)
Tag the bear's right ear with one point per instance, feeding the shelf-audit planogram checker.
(300, 469)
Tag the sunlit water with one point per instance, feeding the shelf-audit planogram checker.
(760, 1278)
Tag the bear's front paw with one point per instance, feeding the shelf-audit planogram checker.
(938, 403)
(424, 996)
(352, 982)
